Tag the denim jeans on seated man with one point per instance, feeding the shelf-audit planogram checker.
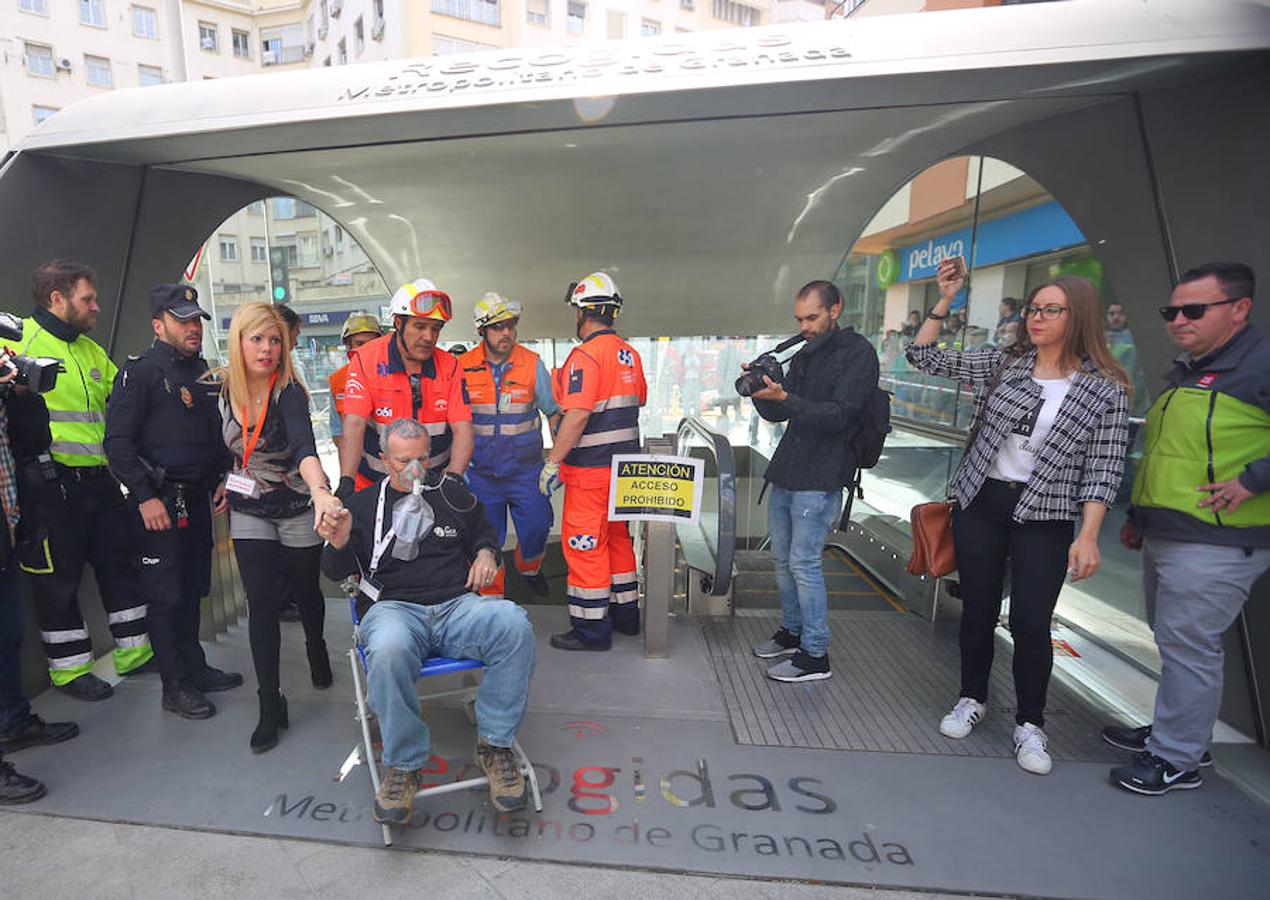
(799, 522)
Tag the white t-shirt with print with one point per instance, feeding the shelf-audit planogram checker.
(1017, 456)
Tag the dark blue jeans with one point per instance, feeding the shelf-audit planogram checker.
(14, 708)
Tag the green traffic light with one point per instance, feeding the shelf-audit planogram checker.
(279, 293)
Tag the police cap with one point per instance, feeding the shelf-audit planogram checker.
(181, 300)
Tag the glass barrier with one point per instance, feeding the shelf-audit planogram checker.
(710, 544)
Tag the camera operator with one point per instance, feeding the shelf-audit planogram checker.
(19, 727)
(821, 398)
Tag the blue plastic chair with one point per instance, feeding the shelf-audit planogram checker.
(434, 665)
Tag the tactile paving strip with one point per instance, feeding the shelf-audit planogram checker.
(894, 677)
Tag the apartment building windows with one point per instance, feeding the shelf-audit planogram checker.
(242, 43)
(736, 13)
(145, 22)
(92, 12)
(208, 37)
(359, 36)
(538, 12)
(341, 52)
(575, 17)
(284, 207)
(259, 250)
(484, 11)
(39, 7)
(42, 112)
(648, 28)
(228, 248)
(281, 45)
(97, 71)
(307, 251)
(149, 75)
(39, 60)
(616, 25)
(444, 46)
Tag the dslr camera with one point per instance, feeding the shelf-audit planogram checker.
(39, 373)
(766, 364)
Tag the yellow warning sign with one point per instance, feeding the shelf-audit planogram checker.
(655, 487)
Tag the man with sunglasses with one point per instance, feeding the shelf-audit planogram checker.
(404, 374)
(1201, 516)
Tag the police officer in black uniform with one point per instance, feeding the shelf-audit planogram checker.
(163, 442)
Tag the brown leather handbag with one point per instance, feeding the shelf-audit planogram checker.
(931, 523)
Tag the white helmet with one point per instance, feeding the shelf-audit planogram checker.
(494, 308)
(597, 289)
(421, 298)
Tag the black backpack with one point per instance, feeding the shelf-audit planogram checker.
(864, 447)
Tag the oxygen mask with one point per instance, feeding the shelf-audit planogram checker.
(412, 516)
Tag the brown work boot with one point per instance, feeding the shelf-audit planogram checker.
(506, 782)
(396, 798)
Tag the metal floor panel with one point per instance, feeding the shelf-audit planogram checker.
(894, 677)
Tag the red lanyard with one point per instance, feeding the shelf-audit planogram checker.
(249, 443)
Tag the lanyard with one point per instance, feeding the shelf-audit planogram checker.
(381, 540)
(249, 443)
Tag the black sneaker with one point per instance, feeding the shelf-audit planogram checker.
(801, 667)
(782, 643)
(16, 788)
(1149, 774)
(87, 687)
(36, 732)
(188, 702)
(1135, 740)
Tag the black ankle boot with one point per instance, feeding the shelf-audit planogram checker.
(273, 715)
(319, 665)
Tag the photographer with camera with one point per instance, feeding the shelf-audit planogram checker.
(73, 510)
(822, 398)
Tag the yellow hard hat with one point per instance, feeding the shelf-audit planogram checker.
(494, 308)
(360, 322)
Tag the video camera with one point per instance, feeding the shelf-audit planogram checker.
(39, 373)
(766, 364)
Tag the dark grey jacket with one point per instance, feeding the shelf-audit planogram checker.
(829, 381)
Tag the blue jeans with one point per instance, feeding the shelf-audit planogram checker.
(399, 636)
(799, 523)
(14, 708)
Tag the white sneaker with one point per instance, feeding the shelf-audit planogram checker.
(963, 718)
(1031, 749)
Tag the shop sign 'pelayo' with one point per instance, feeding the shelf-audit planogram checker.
(656, 488)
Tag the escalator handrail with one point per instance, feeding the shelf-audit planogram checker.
(725, 465)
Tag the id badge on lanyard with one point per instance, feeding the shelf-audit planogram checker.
(369, 587)
(241, 480)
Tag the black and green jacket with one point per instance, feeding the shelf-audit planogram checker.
(1211, 424)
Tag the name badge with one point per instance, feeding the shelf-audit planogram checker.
(242, 484)
(505, 402)
(369, 588)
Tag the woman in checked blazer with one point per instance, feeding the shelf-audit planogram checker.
(1054, 410)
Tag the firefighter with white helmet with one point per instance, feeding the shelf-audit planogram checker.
(509, 389)
(360, 328)
(600, 389)
(404, 374)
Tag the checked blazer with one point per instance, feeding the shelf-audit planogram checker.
(1081, 459)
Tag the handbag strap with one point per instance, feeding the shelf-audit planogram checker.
(977, 425)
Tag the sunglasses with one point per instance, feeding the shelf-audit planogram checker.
(428, 302)
(1192, 311)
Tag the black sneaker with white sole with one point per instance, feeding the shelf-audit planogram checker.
(1135, 740)
(1149, 774)
(801, 667)
(782, 643)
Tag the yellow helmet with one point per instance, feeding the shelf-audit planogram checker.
(597, 289)
(360, 322)
(494, 308)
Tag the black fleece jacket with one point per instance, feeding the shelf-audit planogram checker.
(829, 381)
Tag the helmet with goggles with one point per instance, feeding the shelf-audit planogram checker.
(594, 291)
(421, 298)
(494, 308)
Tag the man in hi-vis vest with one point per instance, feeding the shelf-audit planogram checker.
(77, 508)
(600, 388)
(509, 387)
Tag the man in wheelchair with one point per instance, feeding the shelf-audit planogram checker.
(423, 549)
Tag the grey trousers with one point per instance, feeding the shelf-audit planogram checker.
(1193, 594)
